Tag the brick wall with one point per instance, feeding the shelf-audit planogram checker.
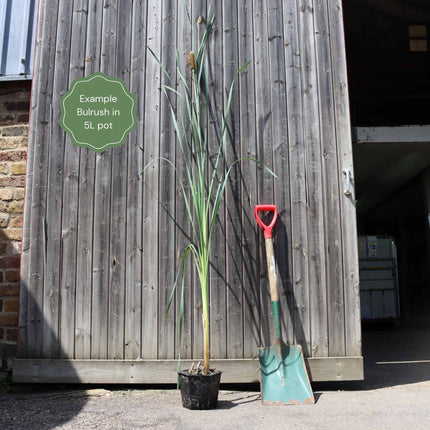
(14, 108)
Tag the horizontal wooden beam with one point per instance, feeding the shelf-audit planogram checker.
(397, 8)
(164, 371)
(402, 134)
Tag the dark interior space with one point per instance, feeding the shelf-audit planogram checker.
(388, 54)
(402, 216)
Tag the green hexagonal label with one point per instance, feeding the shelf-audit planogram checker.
(98, 112)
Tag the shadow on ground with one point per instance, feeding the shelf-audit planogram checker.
(40, 407)
(392, 356)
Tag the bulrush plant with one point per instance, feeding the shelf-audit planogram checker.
(206, 178)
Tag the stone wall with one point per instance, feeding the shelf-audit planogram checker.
(14, 109)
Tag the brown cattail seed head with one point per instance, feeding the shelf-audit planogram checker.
(192, 61)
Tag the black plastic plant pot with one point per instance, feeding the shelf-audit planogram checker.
(199, 391)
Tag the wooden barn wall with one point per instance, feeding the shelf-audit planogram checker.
(101, 247)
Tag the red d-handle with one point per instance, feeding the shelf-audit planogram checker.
(266, 228)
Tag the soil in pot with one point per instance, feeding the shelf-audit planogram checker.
(199, 391)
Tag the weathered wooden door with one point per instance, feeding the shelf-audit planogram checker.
(102, 243)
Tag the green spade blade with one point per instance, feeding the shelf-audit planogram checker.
(284, 379)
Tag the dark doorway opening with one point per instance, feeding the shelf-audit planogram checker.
(388, 54)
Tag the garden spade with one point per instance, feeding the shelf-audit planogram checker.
(284, 379)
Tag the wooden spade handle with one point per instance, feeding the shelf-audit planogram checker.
(271, 263)
(271, 267)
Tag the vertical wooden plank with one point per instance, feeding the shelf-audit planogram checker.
(85, 251)
(166, 190)
(299, 197)
(25, 296)
(250, 234)
(183, 229)
(218, 287)
(133, 287)
(51, 292)
(263, 113)
(232, 195)
(55, 169)
(119, 197)
(70, 193)
(316, 314)
(43, 123)
(281, 166)
(150, 208)
(345, 163)
(102, 202)
(328, 326)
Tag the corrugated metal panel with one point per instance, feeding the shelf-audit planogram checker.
(17, 32)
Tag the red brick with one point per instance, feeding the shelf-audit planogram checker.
(7, 118)
(17, 105)
(17, 130)
(13, 233)
(3, 247)
(7, 350)
(10, 285)
(12, 334)
(16, 222)
(11, 305)
(9, 290)
(18, 194)
(24, 142)
(24, 117)
(15, 248)
(13, 155)
(15, 207)
(19, 168)
(9, 262)
(9, 319)
(11, 142)
(6, 194)
(14, 181)
(4, 168)
(4, 220)
(12, 275)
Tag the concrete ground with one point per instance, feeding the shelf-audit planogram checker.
(394, 395)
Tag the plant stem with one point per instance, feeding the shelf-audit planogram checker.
(204, 283)
(205, 337)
